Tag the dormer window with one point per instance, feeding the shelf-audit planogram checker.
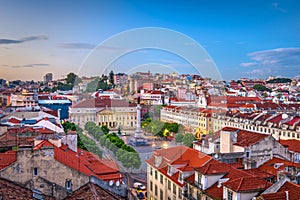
(169, 169)
(180, 178)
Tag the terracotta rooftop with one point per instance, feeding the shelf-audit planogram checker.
(91, 191)
(246, 138)
(214, 167)
(247, 184)
(189, 159)
(87, 163)
(7, 158)
(11, 190)
(275, 165)
(293, 192)
(293, 145)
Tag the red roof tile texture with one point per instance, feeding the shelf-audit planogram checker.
(293, 145)
(246, 138)
(7, 159)
(247, 184)
(87, 163)
(92, 191)
(275, 165)
(292, 189)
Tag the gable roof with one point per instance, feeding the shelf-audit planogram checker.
(187, 159)
(247, 184)
(92, 191)
(87, 163)
(275, 165)
(246, 138)
(293, 192)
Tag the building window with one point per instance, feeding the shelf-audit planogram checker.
(68, 184)
(161, 195)
(155, 192)
(35, 171)
(161, 179)
(229, 195)
(174, 189)
(151, 171)
(169, 185)
(155, 174)
(179, 193)
(151, 186)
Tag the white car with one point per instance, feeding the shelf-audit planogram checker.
(138, 185)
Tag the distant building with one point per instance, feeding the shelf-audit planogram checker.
(48, 77)
(104, 111)
(61, 104)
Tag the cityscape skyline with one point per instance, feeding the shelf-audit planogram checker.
(250, 39)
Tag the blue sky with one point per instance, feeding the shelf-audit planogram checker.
(244, 38)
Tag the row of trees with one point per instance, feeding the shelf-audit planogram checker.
(159, 128)
(83, 142)
(127, 155)
(96, 131)
(123, 153)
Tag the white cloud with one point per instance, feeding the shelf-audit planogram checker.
(276, 6)
(248, 64)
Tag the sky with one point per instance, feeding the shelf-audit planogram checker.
(249, 38)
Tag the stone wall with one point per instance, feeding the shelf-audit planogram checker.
(22, 171)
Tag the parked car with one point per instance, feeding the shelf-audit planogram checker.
(139, 186)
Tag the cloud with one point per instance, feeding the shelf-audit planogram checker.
(280, 57)
(25, 39)
(280, 61)
(259, 72)
(276, 6)
(248, 64)
(76, 45)
(30, 65)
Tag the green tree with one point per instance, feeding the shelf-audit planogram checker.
(260, 87)
(105, 129)
(179, 137)
(188, 139)
(92, 86)
(71, 77)
(111, 77)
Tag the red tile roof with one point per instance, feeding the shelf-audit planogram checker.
(214, 167)
(293, 145)
(44, 143)
(7, 159)
(246, 138)
(247, 184)
(11, 190)
(93, 191)
(217, 192)
(87, 163)
(189, 158)
(14, 120)
(275, 165)
(293, 192)
(259, 173)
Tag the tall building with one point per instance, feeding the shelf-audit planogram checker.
(48, 77)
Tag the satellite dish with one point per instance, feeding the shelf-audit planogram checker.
(111, 182)
(118, 183)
